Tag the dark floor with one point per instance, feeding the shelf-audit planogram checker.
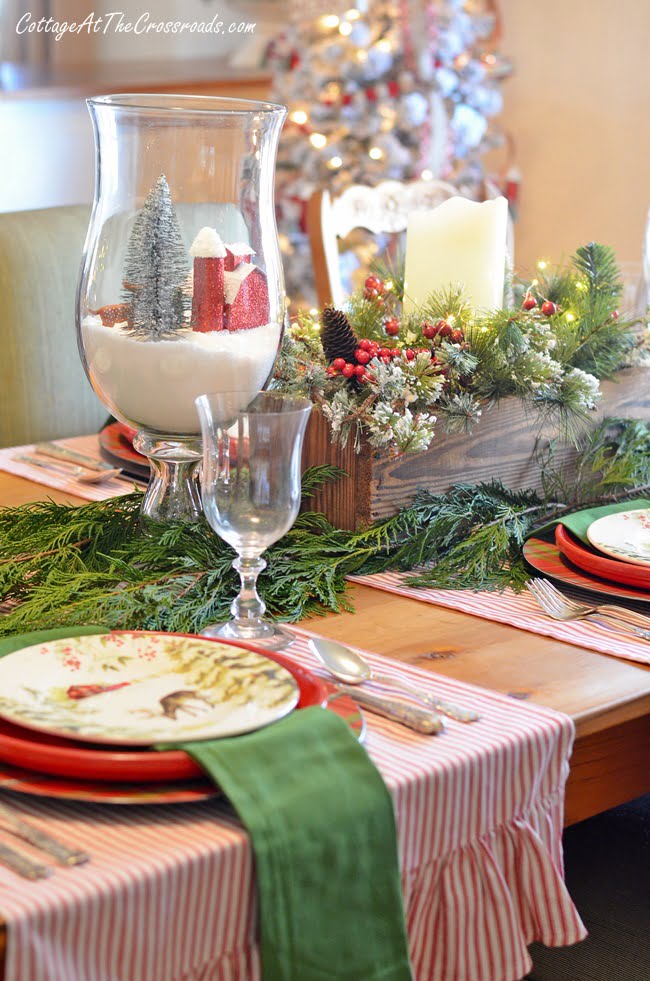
(607, 864)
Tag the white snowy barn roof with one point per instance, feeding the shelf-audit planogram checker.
(240, 248)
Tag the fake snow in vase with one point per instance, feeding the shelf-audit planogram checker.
(153, 384)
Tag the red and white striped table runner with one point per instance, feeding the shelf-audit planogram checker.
(517, 610)
(169, 894)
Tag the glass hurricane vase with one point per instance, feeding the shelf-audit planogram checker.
(251, 493)
(181, 289)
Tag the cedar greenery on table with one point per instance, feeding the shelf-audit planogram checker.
(397, 378)
(62, 565)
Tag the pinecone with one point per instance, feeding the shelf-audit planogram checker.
(337, 337)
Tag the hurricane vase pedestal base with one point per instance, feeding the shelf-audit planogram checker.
(174, 492)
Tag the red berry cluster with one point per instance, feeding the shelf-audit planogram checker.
(375, 288)
(444, 331)
(366, 351)
(548, 308)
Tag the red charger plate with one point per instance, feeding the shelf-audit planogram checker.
(43, 753)
(614, 569)
(544, 556)
(180, 792)
(116, 447)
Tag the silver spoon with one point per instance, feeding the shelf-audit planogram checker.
(351, 668)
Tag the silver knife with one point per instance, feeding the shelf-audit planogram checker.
(15, 824)
(416, 717)
(72, 456)
(22, 865)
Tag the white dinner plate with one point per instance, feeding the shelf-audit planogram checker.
(138, 688)
(625, 536)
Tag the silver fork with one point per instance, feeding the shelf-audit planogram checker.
(619, 612)
(559, 607)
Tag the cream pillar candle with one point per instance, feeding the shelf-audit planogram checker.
(460, 241)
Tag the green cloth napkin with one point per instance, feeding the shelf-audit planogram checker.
(323, 833)
(322, 828)
(579, 521)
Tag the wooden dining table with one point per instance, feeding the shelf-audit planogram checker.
(607, 698)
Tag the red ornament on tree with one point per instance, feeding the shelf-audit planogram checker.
(392, 327)
(548, 308)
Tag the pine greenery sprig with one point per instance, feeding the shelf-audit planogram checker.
(589, 333)
(64, 566)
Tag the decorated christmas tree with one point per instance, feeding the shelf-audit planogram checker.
(156, 267)
(378, 89)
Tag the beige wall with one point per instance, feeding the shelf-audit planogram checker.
(579, 108)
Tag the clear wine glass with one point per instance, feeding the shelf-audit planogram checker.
(251, 492)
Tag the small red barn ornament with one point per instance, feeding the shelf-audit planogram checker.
(229, 291)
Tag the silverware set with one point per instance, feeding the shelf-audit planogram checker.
(13, 823)
(71, 463)
(351, 669)
(616, 619)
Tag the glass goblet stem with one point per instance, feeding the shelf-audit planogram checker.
(248, 608)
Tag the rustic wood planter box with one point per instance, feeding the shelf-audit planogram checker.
(504, 444)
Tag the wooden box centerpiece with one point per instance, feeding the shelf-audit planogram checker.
(447, 390)
(505, 444)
